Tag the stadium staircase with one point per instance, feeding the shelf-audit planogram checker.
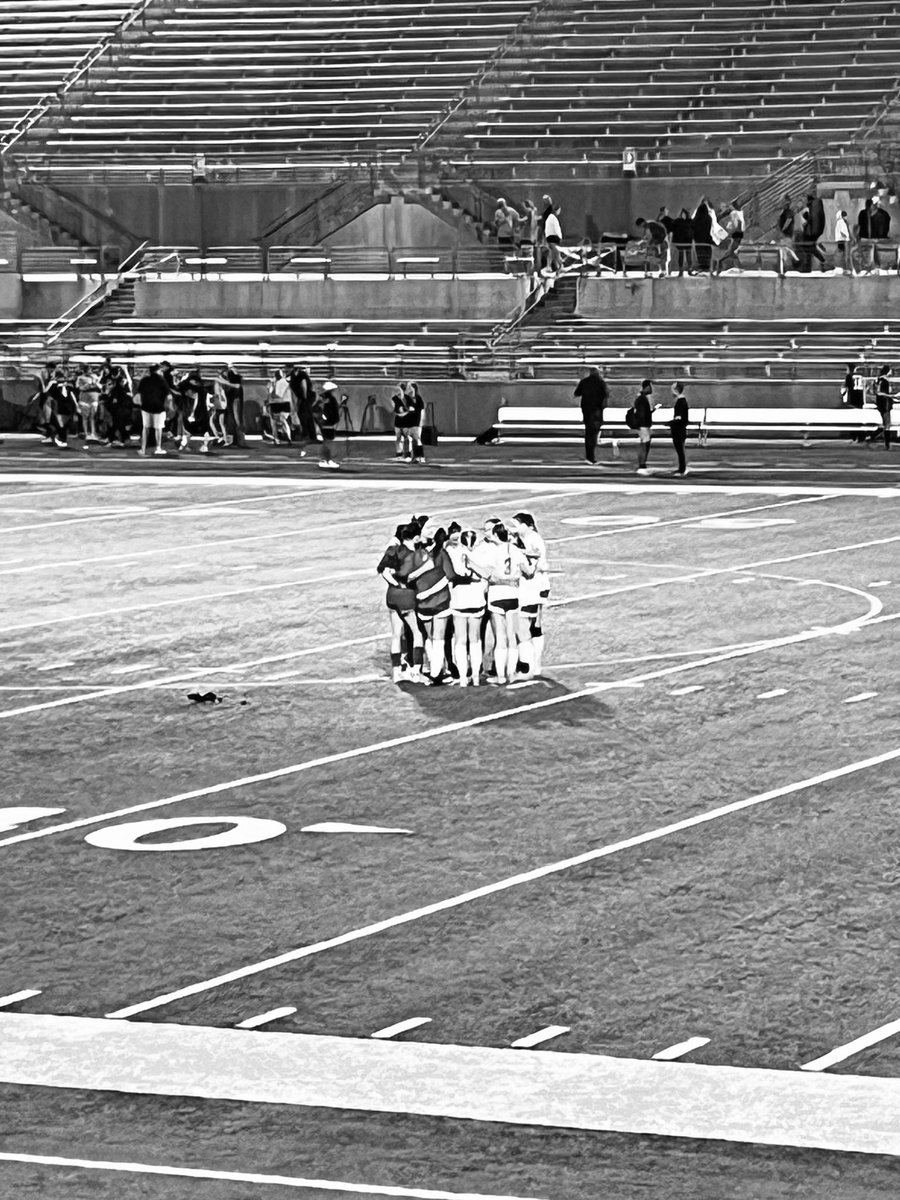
(35, 223)
(339, 204)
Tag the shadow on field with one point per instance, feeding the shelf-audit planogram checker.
(448, 703)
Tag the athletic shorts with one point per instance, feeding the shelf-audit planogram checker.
(152, 420)
(424, 610)
(468, 612)
(401, 599)
(327, 433)
(530, 609)
(503, 605)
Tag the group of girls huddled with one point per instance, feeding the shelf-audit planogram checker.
(465, 607)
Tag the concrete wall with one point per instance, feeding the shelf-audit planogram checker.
(461, 299)
(10, 295)
(49, 300)
(764, 297)
(399, 224)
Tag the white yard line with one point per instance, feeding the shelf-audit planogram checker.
(265, 1018)
(671, 1053)
(17, 997)
(774, 692)
(477, 893)
(392, 1031)
(180, 510)
(70, 490)
(462, 1083)
(288, 1181)
(538, 1038)
(387, 519)
(77, 618)
(857, 699)
(840, 1053)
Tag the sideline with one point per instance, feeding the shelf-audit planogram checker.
(323, 1185)
(536, 1087)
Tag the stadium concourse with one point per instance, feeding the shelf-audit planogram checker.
(278, 918)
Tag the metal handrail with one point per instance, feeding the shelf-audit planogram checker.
(81, 67)
(101, 292)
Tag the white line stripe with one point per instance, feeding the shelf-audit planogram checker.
(57, 666)
(542, 1035)
(685, 691)
(190, 676)
(850, 1048)
(387, 520)
(181, 510)
(77, 617)
(325, 1185)
(774, 692)
(422, 735)
(5, 1001)
(861, 696)
(392, 1031)
(679, 1050)
(71, 490)
(264, 1018)
(503, 884)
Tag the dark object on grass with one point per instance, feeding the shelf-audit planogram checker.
(490, 437)
(204, 697)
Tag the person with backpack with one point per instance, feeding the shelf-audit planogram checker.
(642, 410)
(327, 413)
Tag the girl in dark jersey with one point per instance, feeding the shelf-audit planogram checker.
(396, 564)
(432, 586)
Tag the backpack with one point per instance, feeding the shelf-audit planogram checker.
(631, 417)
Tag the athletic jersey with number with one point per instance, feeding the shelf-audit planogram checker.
(536, 589)
(468, 593)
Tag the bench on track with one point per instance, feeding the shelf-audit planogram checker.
(525, 422)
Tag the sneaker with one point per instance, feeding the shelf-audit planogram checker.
(590, 462)
(142, 453)
(204, 449)
(334, 465)
(407, 458)
(323, 464)
(59, 442)
(267, 437)
(47, 441)
(397, 675)
(642, 471)
(615, 449)
(303, 454)
(159, 450)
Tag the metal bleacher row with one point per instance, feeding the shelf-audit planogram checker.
(495, 82)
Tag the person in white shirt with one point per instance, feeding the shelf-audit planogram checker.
(534, 590)
(842, 240)
(503, 564)
(553, 238)
(468, 601)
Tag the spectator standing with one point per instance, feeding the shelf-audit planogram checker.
(683, 239)
(701, 227)
(679, 425)
(643, 410)
(553, 238)
(884, 402)
(786, 219)
(152, 392)
(415, 418)
(668, 223)
(401, 410)
(278, 406)
(879, 221)
(735, 227)
(506, 222)
(593, 394)
(119, 405)
(61, 399)
(528, 232)
(853, 393)
(233, 386)
(813, 228)
(842, 240)
(88, 385)
(304, 398)
(864, 235)
(328, 413)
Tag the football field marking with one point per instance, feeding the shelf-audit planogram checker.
(554, 1089)
(392, 1031)
(840, 1053)
(289, 1181)
(671, 1053)
(539, 1037)
(770, 695)
(17, 997)
(857, 699)
(491, 889)
(264, 1018)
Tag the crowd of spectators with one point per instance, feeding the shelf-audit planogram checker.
(705, 239)
(102, 405)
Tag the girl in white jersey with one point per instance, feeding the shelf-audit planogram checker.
(534, 591)
(468, 602)
(504, 565)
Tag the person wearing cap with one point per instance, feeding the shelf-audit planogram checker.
(327, 414)
(593, 394)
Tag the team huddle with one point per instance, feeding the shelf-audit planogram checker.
(466, 608)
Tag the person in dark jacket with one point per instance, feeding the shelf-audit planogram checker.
(593, 394)
(679, 425)
(328, 414)
(786, 219)
(813, 228)
(683, 240)
(701, 225)
(304, 396)
(853, 392)
(643, 408)
(879, 220)
(152, 393)
(884, 402)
